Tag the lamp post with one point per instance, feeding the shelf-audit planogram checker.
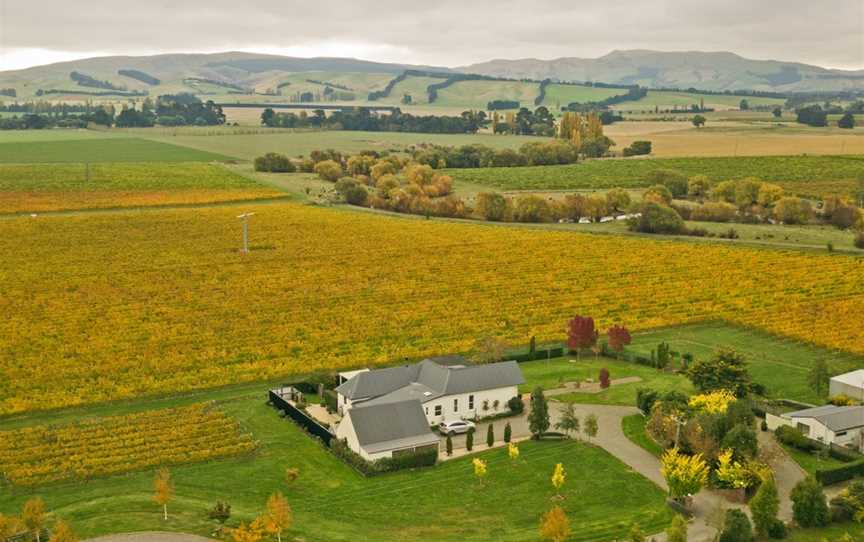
(245, 218)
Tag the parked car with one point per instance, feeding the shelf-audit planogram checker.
(453, 427)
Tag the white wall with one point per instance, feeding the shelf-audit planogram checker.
(836, 387)
(502, 395)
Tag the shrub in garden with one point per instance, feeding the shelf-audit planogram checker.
(220, 512)
(645, 399)
(469, 439)
(764, 506)
(808, 503)
(490, 436)
(516, 405)
(449, 446)
(604, 378)
(736, 527)
(742, 440)
(508, 432)
(677, 531)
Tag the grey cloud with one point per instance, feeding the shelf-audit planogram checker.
(448, 32)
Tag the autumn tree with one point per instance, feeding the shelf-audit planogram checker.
(62, 533)
(685, 475)
(33, 516)
(554, 526)
(279, 515)
(558, 478)
(291, 474)
(480, 469)
(253, 532)
(513, 452)
(569, 422)
(619, 337)
(591, 426)
(604, 378)
(538, 418)
(490, 349)
(163, 490)
(8, 527)
(581, 333)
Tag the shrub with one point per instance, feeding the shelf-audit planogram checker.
(764, 506)
(604, 378)
(675, 181)
(658, 194)
(274, 163)
(656, 218)
(508, 432)
(841, 400)
(742, 440)
(698, 186)
(638, 148)
(328, 170)
(714, 211)
(791, 210)
(490, 436)
(531, 209)
(645, 399)
(808, 503)
(449, 446)
(220, 512)
(841, 473)
(493, 206)
(469, 439)
(777, 530)
(516, 405)
(736, 527)
(421, 458)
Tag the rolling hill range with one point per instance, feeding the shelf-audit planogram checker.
(705, 71)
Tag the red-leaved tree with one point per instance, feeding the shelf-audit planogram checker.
(619, 337)
(581, 333)
(604, 378)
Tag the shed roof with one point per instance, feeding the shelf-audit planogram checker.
(835, 418)
(390, 426)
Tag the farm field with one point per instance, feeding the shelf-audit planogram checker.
(60, 187)
(805, 175)
(167, 301)
(665, 99)
(780, 365)
(477, 94)
(599, 507)
(558, 95)
(90, 149)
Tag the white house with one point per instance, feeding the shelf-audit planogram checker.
(386, 429)
(849, 384)
(446, 388)
(829, 424)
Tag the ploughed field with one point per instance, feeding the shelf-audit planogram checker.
(119, 305)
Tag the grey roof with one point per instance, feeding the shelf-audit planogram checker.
(389, 426)
(835, 418)
(431, 378)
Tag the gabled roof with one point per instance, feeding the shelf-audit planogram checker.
(431, 378)
(835, 418)
(853, 378)
(389, 426)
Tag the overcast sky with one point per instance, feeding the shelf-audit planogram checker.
(444, 32)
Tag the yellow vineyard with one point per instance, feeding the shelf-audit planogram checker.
(99, 447)
(105, 307)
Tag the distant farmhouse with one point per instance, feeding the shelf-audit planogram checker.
(391, 410)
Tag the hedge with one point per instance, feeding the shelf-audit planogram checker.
(841, 473)
(423, 458)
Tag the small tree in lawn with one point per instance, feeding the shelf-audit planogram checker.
(279, 515)
(252, 532)
(636, 533)
(508, 432)
(538, 419)
(591, 426)
(558, 478)
(513, 452)
(819, 378)
(685, 475)
(677, 531)
(480, 470)
(291, 475)
(581, 334)
(619, 337)
(8, 527)
(604, 378)
(163, 490)
(469, 439)
(62, 533)
(220, 512)
(765, 505)
(808, 503)
(490, 436)
(569, 422)
(449, 446)
(33, 516)
(554, 526)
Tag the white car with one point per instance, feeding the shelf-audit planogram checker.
(453, 427)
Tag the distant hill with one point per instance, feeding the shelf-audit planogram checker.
(717, 71)
(198, 73)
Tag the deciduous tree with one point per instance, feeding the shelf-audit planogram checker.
(62, 532)
(480, 469)
(538, 418)
(685, 475)
(569, 422)
(818, 377)
(163, 490)
(513, 452)
(33, 516)
(559, 476)
(581, 333)
(554, 526)
(591, 426)
(279, 515)
(726, 370)
(619, 337)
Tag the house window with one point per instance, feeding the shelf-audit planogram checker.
(470, 402)
(455, 405)
(427, 410)
(804, 428)
(840, 434)
(437, 410)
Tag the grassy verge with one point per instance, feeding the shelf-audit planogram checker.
(811, 462)
(634, 429)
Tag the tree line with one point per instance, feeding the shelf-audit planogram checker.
(362, 119)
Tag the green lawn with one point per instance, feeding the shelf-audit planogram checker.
(331, 502)
(832, 533)
(833, 174)
(780, 365)
(111, 149)
(554, 373)
(634, 429)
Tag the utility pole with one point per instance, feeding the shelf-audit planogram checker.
(245, 218)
